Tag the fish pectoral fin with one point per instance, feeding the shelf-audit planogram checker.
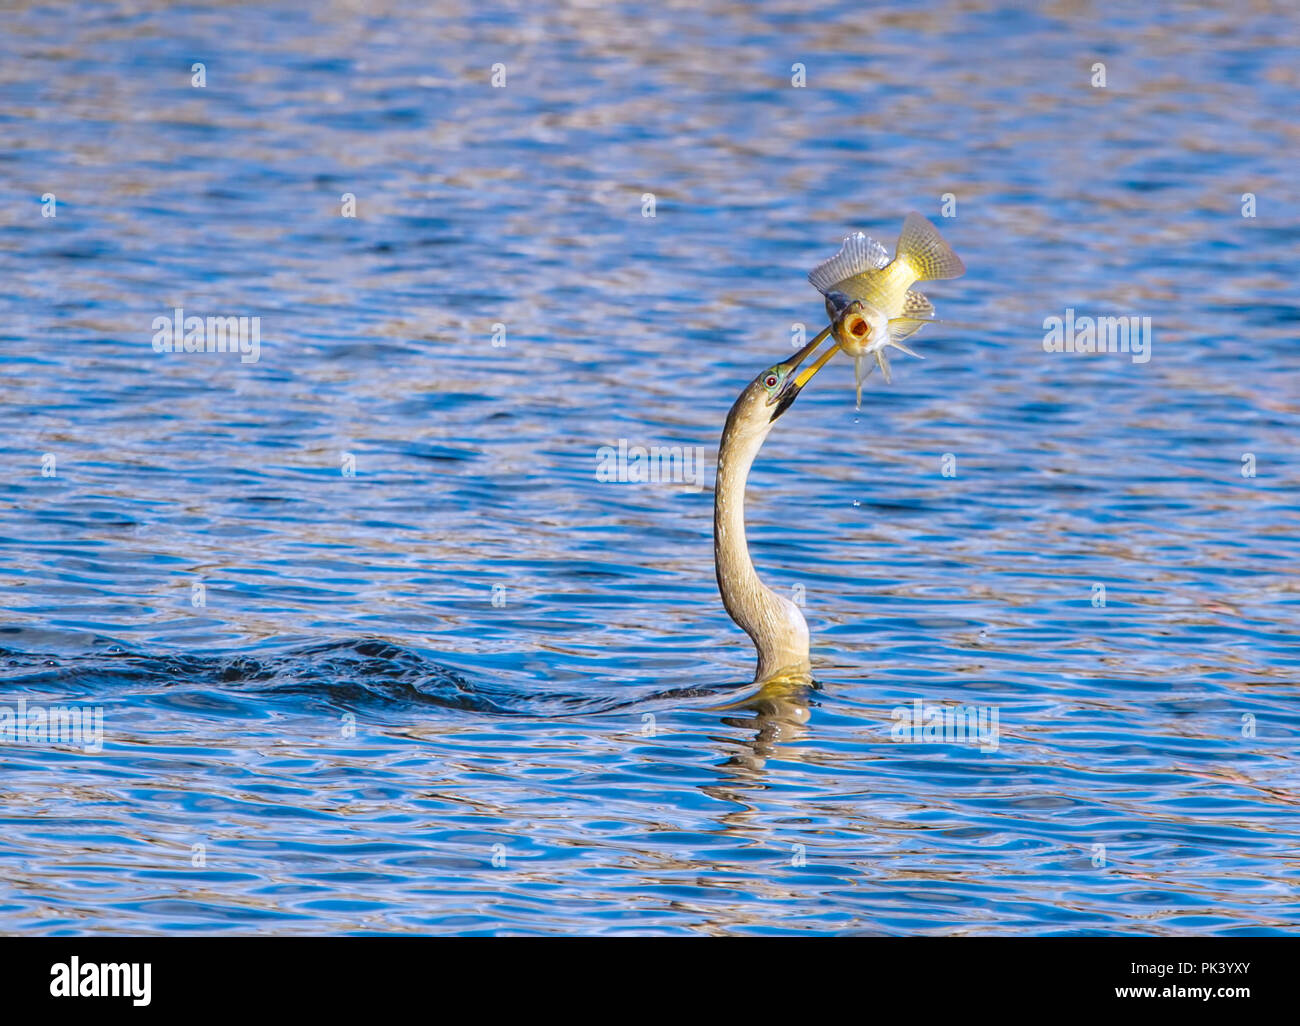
(899, 345)
(925, 251)
(903, 327)
(858, 255)
(883, 360)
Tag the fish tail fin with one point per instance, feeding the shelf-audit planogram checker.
(921, 245)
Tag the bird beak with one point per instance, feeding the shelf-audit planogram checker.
(794, 382)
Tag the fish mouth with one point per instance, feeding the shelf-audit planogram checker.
(852, 327)
(794, 383)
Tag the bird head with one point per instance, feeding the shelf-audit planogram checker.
(771, 393)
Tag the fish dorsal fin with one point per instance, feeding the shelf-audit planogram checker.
(921, 245)
(858, 254)
(917, 306)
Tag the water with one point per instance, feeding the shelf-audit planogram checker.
(357, 733)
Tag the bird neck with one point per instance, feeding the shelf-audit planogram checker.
(773, 623)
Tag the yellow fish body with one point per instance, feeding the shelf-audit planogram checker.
(870, 298)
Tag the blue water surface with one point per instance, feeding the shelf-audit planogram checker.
(376, 651)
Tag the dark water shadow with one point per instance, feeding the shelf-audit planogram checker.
(364, 675)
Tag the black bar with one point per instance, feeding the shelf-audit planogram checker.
(335, 976)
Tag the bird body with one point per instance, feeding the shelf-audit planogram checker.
(773, 622)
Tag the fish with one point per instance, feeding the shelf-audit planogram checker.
(869, 297)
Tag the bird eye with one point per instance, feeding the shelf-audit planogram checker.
(771, 380)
